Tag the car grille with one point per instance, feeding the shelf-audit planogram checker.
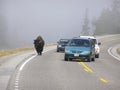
(79, 51)
(74, 51)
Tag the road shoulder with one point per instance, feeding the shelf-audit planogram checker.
(113, 51)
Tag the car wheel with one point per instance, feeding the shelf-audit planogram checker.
(97, 56)
(66, 58)
(89, 59)
(57, 50)
(93, 59)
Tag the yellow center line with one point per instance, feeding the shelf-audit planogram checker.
(86, 68)
(103, 80)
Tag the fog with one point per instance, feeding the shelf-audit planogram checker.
(21, 21)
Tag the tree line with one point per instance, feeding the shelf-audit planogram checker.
(107, 23)
(109, 20)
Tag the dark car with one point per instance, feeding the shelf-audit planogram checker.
(61, 44)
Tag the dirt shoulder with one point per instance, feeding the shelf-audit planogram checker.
(9, 52)
(14, 51)
(118, 50)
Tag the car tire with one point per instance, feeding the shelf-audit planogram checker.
(66, 58)
(89, 59)
(97, 56)
(93, 59)
(57, 50)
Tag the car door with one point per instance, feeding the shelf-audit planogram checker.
(92, 47)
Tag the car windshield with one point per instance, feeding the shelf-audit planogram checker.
(79, 42)
(64, 41)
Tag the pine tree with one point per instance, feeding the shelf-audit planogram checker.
(109, 21)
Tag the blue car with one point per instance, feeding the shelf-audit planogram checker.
(80, 48)
(61, 44)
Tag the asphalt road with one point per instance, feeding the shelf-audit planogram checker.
(51, 72)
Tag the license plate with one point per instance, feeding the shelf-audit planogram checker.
(76, 55)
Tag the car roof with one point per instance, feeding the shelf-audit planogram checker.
(92, 37)
(64, 40)
(81, 38)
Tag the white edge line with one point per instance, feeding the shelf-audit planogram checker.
(22, 66)
(109, 51)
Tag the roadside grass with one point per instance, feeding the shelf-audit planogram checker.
(118, 50)
(14, 51)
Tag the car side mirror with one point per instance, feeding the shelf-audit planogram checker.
(99, 43)
(93, 46)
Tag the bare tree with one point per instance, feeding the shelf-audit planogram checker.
(85, 27)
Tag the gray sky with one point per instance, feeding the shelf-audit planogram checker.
(53, 19)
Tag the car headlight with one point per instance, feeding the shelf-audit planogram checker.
(85, 52)
(67, 51)
(59, 46)
(97, 49)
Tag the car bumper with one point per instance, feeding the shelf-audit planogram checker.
(73, 56)
(61, 49)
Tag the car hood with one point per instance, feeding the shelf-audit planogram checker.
(62, 44)
(77, 48)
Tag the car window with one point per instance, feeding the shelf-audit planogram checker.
(79, 42)
(64, 41)
(95, 41)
